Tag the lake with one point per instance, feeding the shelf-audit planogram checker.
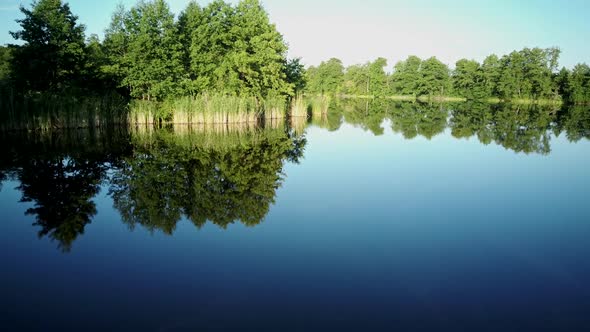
(379, 216)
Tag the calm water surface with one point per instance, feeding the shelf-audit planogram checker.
(410, 219)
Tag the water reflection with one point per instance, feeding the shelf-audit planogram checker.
(224, 174)
(201, 176)
(59, 173)
(520, 128)
(154, 176)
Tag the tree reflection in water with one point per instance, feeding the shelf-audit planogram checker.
(157, 177)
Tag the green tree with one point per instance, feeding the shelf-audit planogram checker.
(154, 52)
(492, 71)
(435, 78)
(406, 76)
(562, 82)
(528, 74)
(116, 49)
(378, 78)
(327, 78)
(236, 50)
(295, 74)
(53, 55)
(356, 80)
(469, 79)
(5, 59)
(579, 84)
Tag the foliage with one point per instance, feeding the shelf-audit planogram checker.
(5, 59)
(53, 55)
(327, 78)
(295, 75)
(369, 79)
(406, 76)
(469, 80)
(434, 78)
(148, 53)
(577, 90)
(234, 50)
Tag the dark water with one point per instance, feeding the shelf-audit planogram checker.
(378, 217)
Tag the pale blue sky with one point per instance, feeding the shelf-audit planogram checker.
(357, 31)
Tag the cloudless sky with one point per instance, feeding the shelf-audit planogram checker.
(357, 31)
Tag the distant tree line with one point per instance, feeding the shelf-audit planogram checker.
(148, 54)
(526, 74)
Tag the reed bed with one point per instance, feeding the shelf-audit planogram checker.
(299, 107)
(45, 112)
(142, 112)
(275, 108)
(319, 105)
(211, 109)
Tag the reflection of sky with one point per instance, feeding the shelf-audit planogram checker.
(357, 31)
(366, 228)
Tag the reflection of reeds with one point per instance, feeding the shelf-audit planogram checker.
(274, 123)
(219, 137)
(298, 124)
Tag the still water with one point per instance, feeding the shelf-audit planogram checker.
(374, 218)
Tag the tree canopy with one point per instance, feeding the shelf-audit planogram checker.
(53, 54)
(221, 48)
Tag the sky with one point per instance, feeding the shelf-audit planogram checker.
(357, 31)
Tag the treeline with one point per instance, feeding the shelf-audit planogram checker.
(529, 74)
(147, 53)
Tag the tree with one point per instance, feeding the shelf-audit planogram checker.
(579, 84)
(469, 79)
(236, 50)
(116, 49)
(356, 80)
(327, 78)
(434, 78)
(5, 59)
(378, 77)
(527, 74)
(295, 74)
(406, 76)
(491, 73)
(154, 53)
(562, 82)
(53, 54)
(188, 21)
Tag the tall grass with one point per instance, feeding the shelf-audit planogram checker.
(45, 111)
(143, 112)
(275, 107)
(211, 109)
(299, 107)
(319, 106)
